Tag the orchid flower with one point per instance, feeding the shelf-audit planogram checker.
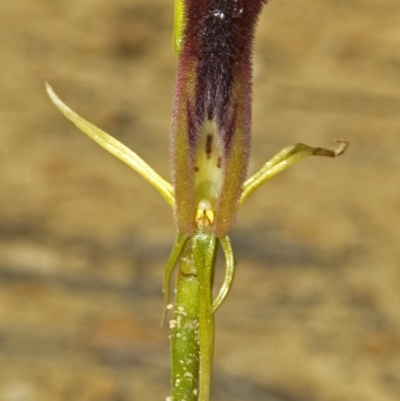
(210, 149)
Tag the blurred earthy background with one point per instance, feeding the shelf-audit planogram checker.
(315, 310)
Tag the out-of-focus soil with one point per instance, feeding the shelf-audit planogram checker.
(315, 310)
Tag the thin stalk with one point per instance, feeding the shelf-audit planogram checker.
(185, 330)
(192, 328)
(204, 246)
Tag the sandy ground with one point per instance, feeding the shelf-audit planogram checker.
(315, 310)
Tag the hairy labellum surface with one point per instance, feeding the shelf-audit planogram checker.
(212, 109)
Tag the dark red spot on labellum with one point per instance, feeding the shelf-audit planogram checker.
(209, 139)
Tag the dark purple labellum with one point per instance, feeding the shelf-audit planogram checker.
(210, 138)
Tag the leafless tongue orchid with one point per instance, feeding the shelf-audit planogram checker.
(210, 149)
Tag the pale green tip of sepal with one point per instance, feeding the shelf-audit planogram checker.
(179, 17)
(116, 148)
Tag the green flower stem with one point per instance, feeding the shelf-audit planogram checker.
(192, 337)
(204, 246)
(192, 327)
(185, 330)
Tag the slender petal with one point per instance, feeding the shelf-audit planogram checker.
(284, 159)
(116, 148)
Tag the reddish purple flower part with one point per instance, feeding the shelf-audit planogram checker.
(210, 139)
